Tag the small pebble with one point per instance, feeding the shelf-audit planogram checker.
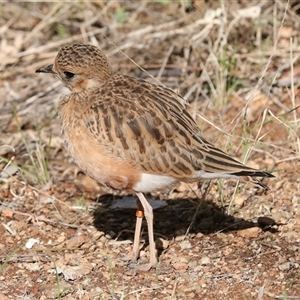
(205, 260)
(252, 232)
(265, 221)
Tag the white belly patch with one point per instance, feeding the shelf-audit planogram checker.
(151, 182)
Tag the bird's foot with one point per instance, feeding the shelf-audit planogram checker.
(143, 267)
(133, 263)
(130, 257)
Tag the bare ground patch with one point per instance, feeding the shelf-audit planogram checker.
(236, 63)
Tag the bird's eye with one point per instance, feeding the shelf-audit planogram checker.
(69, 75)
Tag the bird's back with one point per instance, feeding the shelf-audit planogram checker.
(148, 126)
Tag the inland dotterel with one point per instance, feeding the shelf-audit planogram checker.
(133, 135)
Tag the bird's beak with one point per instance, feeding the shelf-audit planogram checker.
(48, 69)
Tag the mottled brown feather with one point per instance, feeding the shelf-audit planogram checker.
(130, 134)
(136, 122)
(163, 137)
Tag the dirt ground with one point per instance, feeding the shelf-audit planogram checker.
(237, 65)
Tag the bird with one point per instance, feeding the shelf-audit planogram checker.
(132, 135)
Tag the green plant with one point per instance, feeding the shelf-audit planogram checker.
(37, 168)
(226, 82)
(220, 191)
(61, 30)
(60, 290)
(120, 16)
(80, 202)
(163, 1)
(8, 258)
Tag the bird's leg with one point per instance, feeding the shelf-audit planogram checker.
(137, 233)
(148, 211)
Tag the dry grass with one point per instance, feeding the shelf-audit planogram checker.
(236, 63)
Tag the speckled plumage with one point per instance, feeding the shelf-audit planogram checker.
(133, 135)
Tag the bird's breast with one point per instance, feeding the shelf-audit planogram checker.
(93, 158)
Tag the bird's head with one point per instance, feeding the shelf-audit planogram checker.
(80, 66)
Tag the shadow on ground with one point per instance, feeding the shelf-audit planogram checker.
(171, 221)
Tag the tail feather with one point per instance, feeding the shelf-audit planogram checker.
(253, 173)
(216, 161)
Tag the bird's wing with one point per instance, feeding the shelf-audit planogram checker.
(148, 126)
